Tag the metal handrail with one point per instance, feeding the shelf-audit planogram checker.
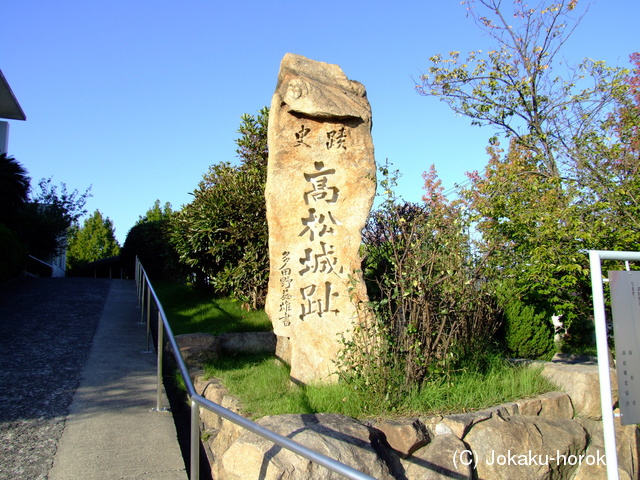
(41, 261)
(198, 401)
(43, 264)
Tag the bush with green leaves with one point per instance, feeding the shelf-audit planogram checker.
(221, 236)
(569, 181)
(14, 191)
(430, 307)
(527, 333)
(149, 240)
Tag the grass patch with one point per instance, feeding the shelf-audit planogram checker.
(262, 384)
(469, 391)
(263, 387)
(193, 311)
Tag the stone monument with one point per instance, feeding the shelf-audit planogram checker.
(320, 188)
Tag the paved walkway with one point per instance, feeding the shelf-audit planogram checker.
(104, 430)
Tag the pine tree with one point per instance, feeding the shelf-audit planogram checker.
(95, 240)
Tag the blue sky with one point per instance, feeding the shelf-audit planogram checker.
(137, 98)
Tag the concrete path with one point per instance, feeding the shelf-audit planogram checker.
(75, 391)
(111, 431)
(46, 329)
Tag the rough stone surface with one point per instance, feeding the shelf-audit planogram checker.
(529, 406)
(404, 435)
(337, 436)
(504, 447)
(431, 424)
(213, 390)
(581, 382)
(440, 460)
(627, 443)
(551, 404)
(533, 438)
(198, 348)
(247, 342)
(283, 349)
(505, 409)
(433, 447)
(320, 188)
(199, 382)
(460, 423)
(555, 404)
(228, 433)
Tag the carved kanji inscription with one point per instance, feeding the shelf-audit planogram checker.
(320, 187)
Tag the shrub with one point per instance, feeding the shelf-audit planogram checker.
(221, 236)
(430, 306)
(527, 333)
(149, 241)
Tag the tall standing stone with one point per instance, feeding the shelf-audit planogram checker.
(320, 188)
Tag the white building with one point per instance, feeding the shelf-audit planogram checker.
(11, 110)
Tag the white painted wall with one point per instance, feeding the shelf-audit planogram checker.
(4, 137)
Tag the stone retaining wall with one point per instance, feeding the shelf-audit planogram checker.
(555, 435)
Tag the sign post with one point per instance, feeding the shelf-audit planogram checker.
(606, 402)
(625, 309)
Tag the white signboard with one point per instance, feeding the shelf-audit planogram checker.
(625, 307)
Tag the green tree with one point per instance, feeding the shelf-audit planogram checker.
(531, 239)
(538, 229)
(515, 87)
(34, 222)
(222, 234)
(526, 331)
(13, 254)
(156, 212)
(528, 229)
(149, 240)
(432, 310)
(50, 212)
(95, 240)
(540, 206)
(608, 170)
(14, 190)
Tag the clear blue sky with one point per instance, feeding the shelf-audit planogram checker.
(138, 97)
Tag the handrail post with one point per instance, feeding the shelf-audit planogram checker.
(136, 277)
(160, 350)
(148, 315)
(139, 279)
(197, 401)
(195, 442)
(139, 282)
(141, 301)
